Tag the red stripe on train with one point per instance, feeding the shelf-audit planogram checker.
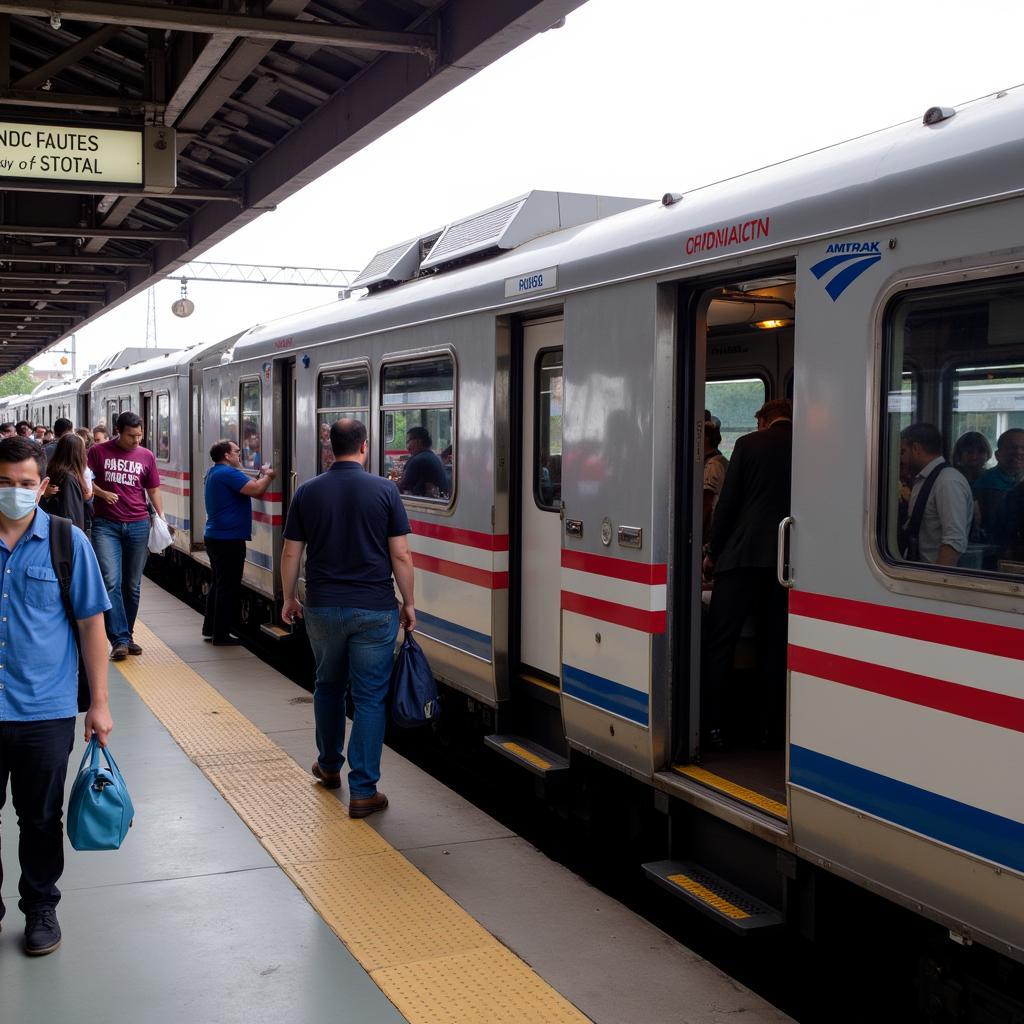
(270, 496)
(266, 517)
(457, 571)
(469, 538)
(953, 698)
(609, 611)
(618, 568)
(966, 634)
(174, 474)
(171, 489)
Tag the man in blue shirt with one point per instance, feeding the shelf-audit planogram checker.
(39, 680)
(423, 475)
(228, 496)
(353, 528)
(993, 487)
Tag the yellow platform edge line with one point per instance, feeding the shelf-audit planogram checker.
(527, 755)
(733, 789)
(702, 892)
(244, 765)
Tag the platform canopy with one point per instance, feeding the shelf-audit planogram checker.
(134, 136)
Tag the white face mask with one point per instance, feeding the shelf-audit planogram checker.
(17, 502)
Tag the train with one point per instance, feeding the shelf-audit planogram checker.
(562, 349)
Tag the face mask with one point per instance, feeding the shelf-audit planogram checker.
(17, 502)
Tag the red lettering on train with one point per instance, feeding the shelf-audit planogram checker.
(731, 234)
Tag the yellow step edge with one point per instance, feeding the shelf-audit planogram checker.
(431, 958)
(733, 789)
(703, 893)
(527, 755)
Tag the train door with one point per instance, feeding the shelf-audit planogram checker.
(540, 488)
(741, 343)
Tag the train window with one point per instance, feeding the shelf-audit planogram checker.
(952, 488)
(734, 402)
(252, 418)
(341, 394)
(547, 455)
(163, 425)
(418, 400)
(112, 414)
(229, 418)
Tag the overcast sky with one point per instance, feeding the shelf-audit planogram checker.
(631, 98)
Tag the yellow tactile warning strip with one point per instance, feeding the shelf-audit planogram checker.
(702, 892)
(527, 755)
(748, 796)
(428, 956)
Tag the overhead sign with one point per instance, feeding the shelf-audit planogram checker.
(65, 153)
(536, 281)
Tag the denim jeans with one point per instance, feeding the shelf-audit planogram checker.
(353, 648)
(122, 550)
(34, 758)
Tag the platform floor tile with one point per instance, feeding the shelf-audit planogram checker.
(390, 916)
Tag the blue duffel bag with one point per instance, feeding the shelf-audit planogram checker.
(414, 699)
(100, 811)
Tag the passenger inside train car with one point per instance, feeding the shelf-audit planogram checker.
(954, 369)
(742, 605)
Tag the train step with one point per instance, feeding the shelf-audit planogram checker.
(712, 895)
(274, 631)
(529, 755)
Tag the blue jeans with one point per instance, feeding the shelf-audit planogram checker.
(122, 550)
(352, 647)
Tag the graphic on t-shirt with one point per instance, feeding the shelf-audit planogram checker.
(126, 472)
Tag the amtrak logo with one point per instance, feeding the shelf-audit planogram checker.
(853, 258)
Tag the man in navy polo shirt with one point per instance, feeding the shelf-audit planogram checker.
(228, 495)
(353, 527)
(39, 680)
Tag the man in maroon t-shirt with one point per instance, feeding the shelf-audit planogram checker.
(125, 474)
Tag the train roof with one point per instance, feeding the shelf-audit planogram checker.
(953, 156)
(169, 364)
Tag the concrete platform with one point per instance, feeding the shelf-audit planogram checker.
(196, 921)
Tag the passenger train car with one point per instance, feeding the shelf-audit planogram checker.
(561, 350)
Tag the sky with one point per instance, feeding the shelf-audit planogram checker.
(629, 98)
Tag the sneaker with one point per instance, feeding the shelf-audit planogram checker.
(360, 807)
(134, 648)
(119, 653)
(42, 933)
(329, 780)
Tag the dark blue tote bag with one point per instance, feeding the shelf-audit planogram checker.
(414, 699)
(100, 810)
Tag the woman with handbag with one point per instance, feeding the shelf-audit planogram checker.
(69, 489)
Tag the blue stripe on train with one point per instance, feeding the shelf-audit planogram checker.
(454, 635)
(605, 694)
(178, 524)
(949, 821)
(258, 558)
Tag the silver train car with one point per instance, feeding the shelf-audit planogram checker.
(561, 350)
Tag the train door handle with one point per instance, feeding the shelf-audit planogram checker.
(784, 572)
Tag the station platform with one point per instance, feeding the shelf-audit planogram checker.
(244, 892)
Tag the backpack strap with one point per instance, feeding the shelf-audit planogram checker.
(913, 552)
(61, 548)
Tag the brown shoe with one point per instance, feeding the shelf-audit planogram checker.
(361, 807)
(329, 780)
(119, 653)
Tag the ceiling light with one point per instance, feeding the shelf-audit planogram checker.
(771, 325)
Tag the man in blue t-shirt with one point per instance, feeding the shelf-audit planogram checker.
(993, 487)
(353, 529)
(228, 496)
(39, 680)
(424, 475)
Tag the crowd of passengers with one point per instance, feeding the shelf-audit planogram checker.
(962, 512)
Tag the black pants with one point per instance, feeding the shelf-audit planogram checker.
(737, 595)
(227, 561)
(34, 757)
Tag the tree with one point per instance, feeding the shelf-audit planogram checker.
(17, 382)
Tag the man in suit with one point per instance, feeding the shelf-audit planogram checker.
(742, 558)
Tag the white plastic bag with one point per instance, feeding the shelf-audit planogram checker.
(159, 535)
